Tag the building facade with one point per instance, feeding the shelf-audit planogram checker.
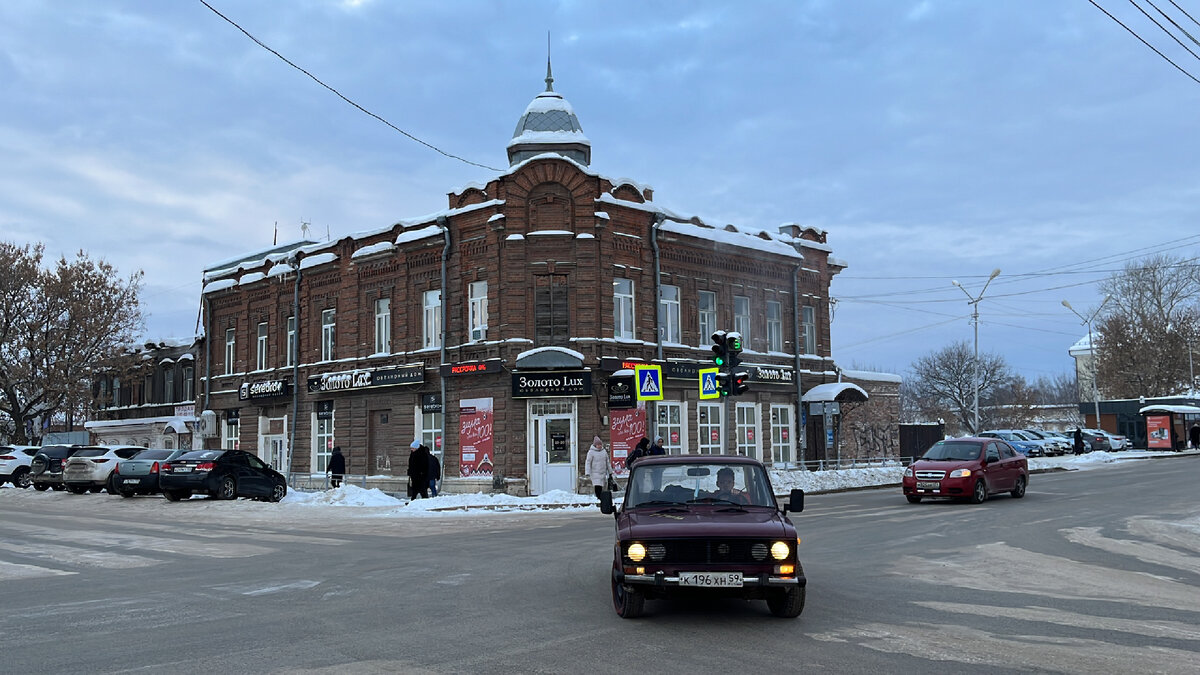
(150, 399)
(504, 330)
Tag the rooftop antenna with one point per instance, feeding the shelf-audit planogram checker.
(303, 229)
(549, 76)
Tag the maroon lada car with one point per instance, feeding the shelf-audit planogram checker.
(707, 525)
(967, 468)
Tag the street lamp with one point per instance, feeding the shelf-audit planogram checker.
(1087, 321)
(974, 302)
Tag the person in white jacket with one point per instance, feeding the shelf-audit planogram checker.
(598, 465)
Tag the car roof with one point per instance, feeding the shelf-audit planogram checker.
(692, 459)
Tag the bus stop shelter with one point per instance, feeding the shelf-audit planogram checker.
(1168, 426)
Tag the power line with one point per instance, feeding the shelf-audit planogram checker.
(341, 96)
(1134, 34)
(1164, 28)
(1185, 12)
(1173, 23)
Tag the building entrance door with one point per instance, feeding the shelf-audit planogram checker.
(552, 454)
(275, 448)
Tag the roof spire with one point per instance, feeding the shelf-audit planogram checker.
(549, 76)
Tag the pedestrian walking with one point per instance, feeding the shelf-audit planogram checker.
(598, 465)
(1078, 441)
(336, 468)
(435, 474)
(418, 470)
(639, 451)
(656, 448)
(1194, 434)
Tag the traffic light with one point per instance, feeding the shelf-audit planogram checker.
(739, 384)
(720, 349)
(733, 349)
(724, 385)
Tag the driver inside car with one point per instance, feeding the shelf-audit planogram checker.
(725, 489)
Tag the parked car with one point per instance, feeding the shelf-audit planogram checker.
(221, 474)
(90, 467)
(1020, 442)
(46, 469)
(139, 475)
(1115, 441)
(966, 468)
(707, 525)
(1058, 446)
(1095, 440)
(14, 464)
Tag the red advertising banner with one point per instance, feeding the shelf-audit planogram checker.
(475, 436)
(626, 428)
(1158, 431)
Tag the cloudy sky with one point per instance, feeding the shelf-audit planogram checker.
(933, 140)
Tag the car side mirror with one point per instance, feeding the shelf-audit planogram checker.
(795, 501)
(606, 503)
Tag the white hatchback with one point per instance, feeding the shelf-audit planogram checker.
(14, 464)
(90, 468)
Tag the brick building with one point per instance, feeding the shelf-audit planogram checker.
(501, 330)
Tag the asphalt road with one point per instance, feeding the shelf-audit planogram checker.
(1092, 572)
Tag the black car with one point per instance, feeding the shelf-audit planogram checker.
(46, 469)
(221, 474)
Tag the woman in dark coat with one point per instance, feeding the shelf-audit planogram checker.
(1078, 441)
(418, 471)
(337, 467)
(640, 450)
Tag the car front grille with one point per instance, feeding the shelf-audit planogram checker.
(930, 475)
(708, 551)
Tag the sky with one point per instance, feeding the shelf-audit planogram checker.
(933, 141)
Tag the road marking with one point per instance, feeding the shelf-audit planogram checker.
(77, 556)
(18, 571)
(137, 542)
(1172, 630)
(1144, 551)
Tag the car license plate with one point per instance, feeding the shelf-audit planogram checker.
(711, 579)
(181, 469)
(928, 485)
(131, 480)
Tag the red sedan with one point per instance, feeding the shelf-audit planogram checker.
(967, 468)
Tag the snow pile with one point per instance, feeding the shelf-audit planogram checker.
(823, 481)
(346, 495)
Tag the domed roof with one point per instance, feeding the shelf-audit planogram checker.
(549, 124)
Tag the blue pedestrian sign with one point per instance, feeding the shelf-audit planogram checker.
(708, 383)
(649, 383)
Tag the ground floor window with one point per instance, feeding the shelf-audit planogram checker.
(322, 440)
(671, 416)
(708, 428)
(230, 433)
(783, 434)
(431, 430)
(747, 429)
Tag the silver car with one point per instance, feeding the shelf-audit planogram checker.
(90, 467)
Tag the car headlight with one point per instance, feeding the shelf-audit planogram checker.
(780, 550)
(960, 473)
(636, 552)
(911, 471)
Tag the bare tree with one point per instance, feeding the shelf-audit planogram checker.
(1144, 337)
(943, 385)
(56, 325)
(1013, 404)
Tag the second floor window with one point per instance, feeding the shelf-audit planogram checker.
(261, 361)
(706, 306)
(808, 326)
(168, 384)
(551, 313)
(774, 327)
(230, 343)
(328, 334)
(478, 311)
(116, 391)
(623, 309)
(741, 317)
(383, 326)
(291, 341)
(433, 319)
(668, 314)
(189, 383)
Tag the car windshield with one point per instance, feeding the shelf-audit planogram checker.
(153, 454)
(699, 483)
(951, 450)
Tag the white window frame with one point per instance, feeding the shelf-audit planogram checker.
(432, 321)
(189, 383)
(623, 318)
(328, 334)
(231, 433)
(169, 384)
(291, 341)
(741, 317)
(668, 314)
(678, 410)
(383, 326)
(748, 418)
(322, 442)
(230, 348)
(477, 311)
(704, 442)
(783, 451)
(429, 429)
(706, 310)
(116, 391)
(808, 326)
(261, 360)
(774, 326)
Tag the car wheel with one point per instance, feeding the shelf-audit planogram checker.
(58, 487)
(227, 488)
(76, 490)
(41, 487)
(1019, 490)
(788, 603)
(628, 602)
(126, 493)
(22, 479)
(913, 499)
(278, 492)
(980, 494)
(171, 495)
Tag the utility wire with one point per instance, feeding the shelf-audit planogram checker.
(339, 94)
(1185, 12)
(1173, 23)
(1164, 28)
(1134, 34)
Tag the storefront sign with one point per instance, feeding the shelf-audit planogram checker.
(612, 364)
(431, 403)
(265, 389)
(362, 379)
(324, 410)
(620, 392)
(188, 410)
(471, 368)
(626, 428)
(773, 375)
(552, 383)
(475, 437)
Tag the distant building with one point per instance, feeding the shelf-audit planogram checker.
(151, 401)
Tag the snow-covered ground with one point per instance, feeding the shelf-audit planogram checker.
(353, 501)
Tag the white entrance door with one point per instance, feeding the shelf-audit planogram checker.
(553, 458)
(275, 448)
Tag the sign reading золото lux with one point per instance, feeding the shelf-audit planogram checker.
(552, 383)
(263, 389)
(362, 379)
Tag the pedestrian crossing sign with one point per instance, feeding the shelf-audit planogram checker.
(649, 383)
(708, 383)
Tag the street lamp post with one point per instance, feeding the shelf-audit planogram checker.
(1087, 321)
(974, 302)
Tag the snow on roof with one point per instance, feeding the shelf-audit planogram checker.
(495, 217)
(736, 238)
(873, 376)
(1187, 409)
(1081, 347)
(218, 285)
(585, 235)
(833, 390)
(311, 261)
(602, 214)
(528, 136)
(251, 277)
(539, 350)
(254, 258)
(419, 233)
(365, 251)
(279, 269)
